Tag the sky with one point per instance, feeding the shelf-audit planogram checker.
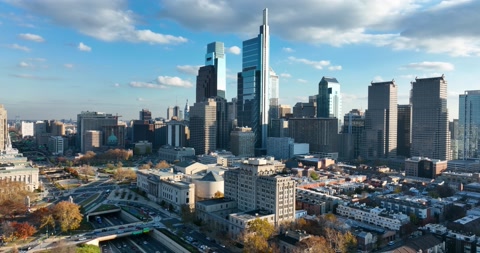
(61, 57)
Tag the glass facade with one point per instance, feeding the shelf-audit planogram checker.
(253, 85)
(469, 125)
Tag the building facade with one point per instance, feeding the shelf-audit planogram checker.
(203, 126)
(381, 121)
(469, 125)
(430, 136)
(254, 85)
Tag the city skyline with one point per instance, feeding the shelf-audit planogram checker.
(57, 63)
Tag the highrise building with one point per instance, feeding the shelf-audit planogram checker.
(87, 121)
(145, 114)
(203, 126)
(254, 85)
(352, 133)
(27, 129)
(255, 186)
(3, 128)
(320, 133)
(329, 100)
(469, 124)
(430, 136)
(381, 121)
(404, 130)
(242, 142)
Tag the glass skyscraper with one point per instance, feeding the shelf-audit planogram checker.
(254, 85)
(469, 124)
(216, 57)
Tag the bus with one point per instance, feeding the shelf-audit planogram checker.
(98, 219)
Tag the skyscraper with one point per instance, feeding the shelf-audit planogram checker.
(381, 121)
(216, 57)
(430, 136)
(404, 130)
(253, 85)
(3, 128)
(469, 124)
(203, 126)
(329, 100)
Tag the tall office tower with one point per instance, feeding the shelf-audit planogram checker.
(145, 114)
(329, 99)
(469, 123)
(253, 85)
(216, 57)
(404, 130)
(92, 121)
(223, 126)
(170, 113)
(203, 126)
(381, 121)
(255, 186)
(177, 132)
(283, 110)
(454, 130)
(320, 133)
(242, 142)
(3, 128)
(352, 133)
(273, 96)
(186, 114)
(27, 129)
(430, 136)
(305, 110)
(57, 128)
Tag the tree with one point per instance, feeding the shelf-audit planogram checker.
(314, 175)
(257, 235)
(162, 165)
(23, 230)
(86, 171)
(218, 195)
(68, 215)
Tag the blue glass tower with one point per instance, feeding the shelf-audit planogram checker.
(253, 85)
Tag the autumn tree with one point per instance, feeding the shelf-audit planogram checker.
(23, 230)
(218, 195)
(68, 215)
(86, 171)
(122, 174)
(162, 165)
(257, 235)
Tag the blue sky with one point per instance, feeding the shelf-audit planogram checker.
(61, 57)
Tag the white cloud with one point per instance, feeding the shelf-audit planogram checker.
(146, 85)
(104, 20)
(302, 80)
(18, 47)
(31, 37)
(234, 50)
(288, 50)
(162, 82)
(83, 47)
(285, 75)
(173, 81)
(430, 66)
(378, 79)
(68, 65)
(188, 69)
(24, 64)
(446, 27)
(315, 64)
(335, 68)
